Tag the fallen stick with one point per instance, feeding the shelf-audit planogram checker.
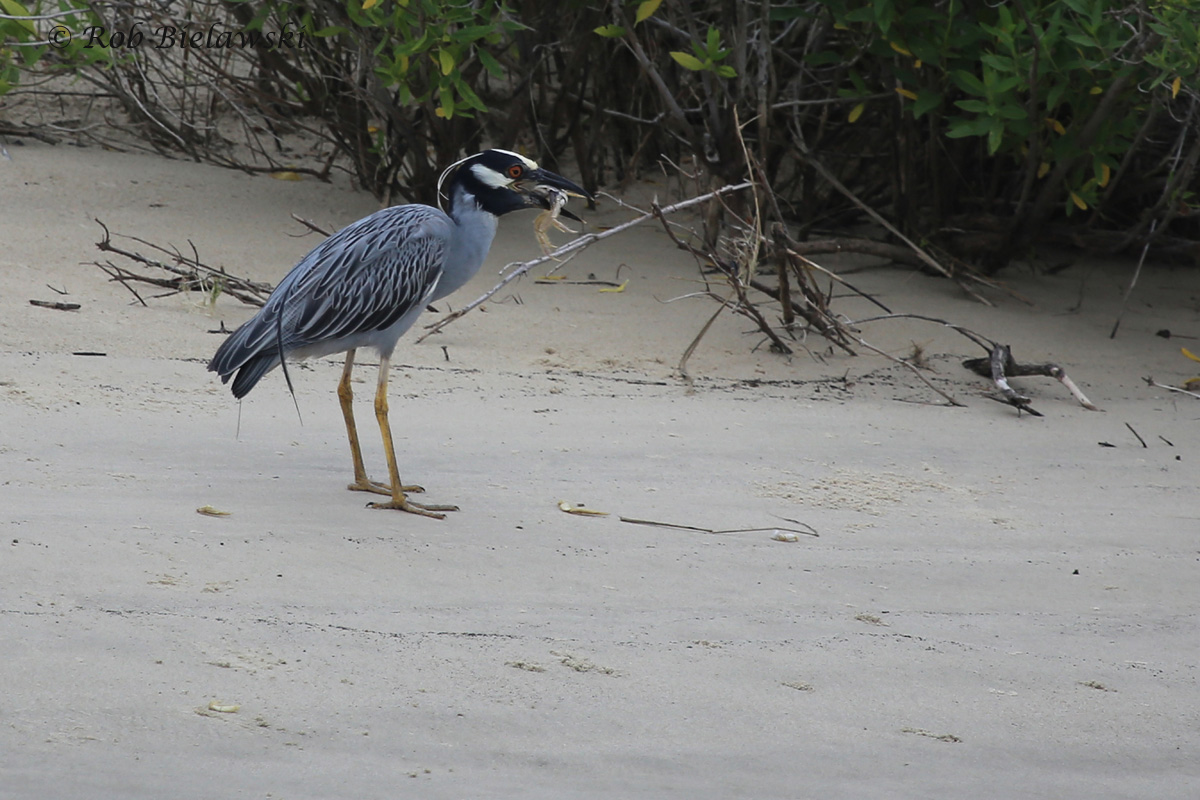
(1000, 362)
(192, 274)
(1001, 356)
(55, 305)
(516, 269)
(673, 525)
(1157, 385)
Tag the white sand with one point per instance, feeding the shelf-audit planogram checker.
(1001, 582)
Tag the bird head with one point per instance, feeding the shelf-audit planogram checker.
(500, 181)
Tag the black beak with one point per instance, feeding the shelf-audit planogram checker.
(536, 179)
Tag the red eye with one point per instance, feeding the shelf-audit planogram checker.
(515, 171)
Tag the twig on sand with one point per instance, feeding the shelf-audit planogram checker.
(190, 273)
(1157, 385)
(55, 305)
(809, 532)
(1138, 435)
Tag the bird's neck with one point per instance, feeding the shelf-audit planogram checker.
(475, 230)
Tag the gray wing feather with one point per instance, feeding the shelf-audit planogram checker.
(361, 279)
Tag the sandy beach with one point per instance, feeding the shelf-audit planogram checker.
(997, 605)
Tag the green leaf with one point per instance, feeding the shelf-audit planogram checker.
(885, 12)
(926, 101)
(610, 31)
(446, 98)
(490, 64)
(995, 136)
(469, 95)
(15, 9)
(726, 71)
(446, 61)
(968, 82)
(1054, 95)
(974, 106)
(960, 127)
(998, 63)
(687, 60)
(646, 10)
(1010, 111)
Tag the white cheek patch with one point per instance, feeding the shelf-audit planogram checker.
(489, 177)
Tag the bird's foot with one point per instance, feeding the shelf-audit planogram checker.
(404, 504)
(381, 488)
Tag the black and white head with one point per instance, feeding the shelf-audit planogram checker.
(499, 181)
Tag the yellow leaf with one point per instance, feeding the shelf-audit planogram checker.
(580, 510)
(17, 10)
(911, 95)
(441, 112)
(369, 4)
(1056, 125)
(620, 288)
(1095, 90)
(1189, 354)
(209, 511)
(900, 49)
(1105, 174)
(446, 60)
(1043, 168)
(646, 10)
(856, 112)
(839, 26)
(918, 63)
(1175, 87)
(372, 129)
(285, 175)
(1079, 202)
(687, 60)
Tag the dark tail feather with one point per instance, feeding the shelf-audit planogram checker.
(251, 373)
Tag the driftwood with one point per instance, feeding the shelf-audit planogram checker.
(55, 305)
(1000, 365)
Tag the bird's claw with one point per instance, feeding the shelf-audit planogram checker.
(382, 488)
(403, 504)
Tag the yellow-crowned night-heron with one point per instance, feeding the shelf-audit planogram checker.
(366, 285)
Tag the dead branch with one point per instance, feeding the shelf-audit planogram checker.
(1000, 365)
(731, 273)
(1157, 385)
(191, 274)
(55, 305)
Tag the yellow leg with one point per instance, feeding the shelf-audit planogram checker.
(398, 501)
(346, 398)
